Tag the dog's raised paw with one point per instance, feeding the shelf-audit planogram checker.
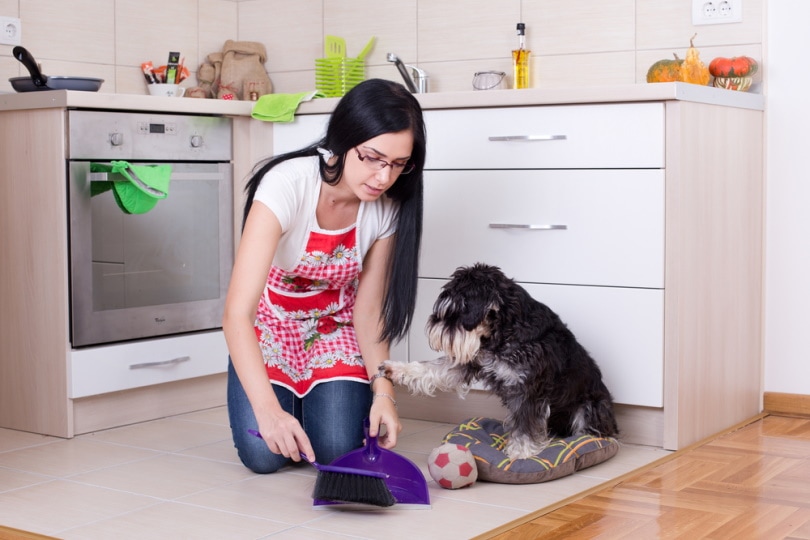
(393, 370)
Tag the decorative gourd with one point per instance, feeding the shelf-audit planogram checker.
(693, 70)
(733, 83)
(665, 71)
(738, 66)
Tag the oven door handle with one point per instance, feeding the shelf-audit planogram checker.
(107, 177)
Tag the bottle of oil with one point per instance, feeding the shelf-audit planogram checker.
(520, 59)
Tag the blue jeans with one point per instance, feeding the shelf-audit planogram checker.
(331, 414)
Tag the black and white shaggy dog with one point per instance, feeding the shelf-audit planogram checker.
(491, 331)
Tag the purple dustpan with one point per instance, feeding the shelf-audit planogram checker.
(405, 481)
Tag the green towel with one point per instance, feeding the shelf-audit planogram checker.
(281, 107)
(142, 187)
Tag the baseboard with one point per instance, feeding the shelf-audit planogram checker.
(790, 404)
(638, 425)
(106, 411)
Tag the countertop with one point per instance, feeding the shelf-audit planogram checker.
(438, 100)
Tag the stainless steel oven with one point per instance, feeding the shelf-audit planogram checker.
(161, 272)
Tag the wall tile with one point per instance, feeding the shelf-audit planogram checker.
(291, 82)
(562, 27)
(668, 23)
(148, 30)
(292, 32)
(9, 67)
(452, 30)
(79, 31)
(584, 69)
(9, 8)
(392, 22)
(218, 22)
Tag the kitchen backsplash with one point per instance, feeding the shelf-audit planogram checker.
(589, 42)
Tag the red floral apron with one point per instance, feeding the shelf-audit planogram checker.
(304, 321)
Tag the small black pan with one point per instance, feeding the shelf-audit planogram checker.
(39, 81)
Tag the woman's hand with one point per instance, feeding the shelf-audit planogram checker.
(284, 435)
(384, 412)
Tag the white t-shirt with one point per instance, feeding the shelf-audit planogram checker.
(291, 189)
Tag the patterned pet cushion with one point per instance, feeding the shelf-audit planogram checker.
(486, 438)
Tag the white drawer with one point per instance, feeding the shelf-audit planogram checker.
(622, 329)
(111, 368)
(613, 219)
(628, 135)
(306, 129)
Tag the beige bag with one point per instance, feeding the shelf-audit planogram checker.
(207, 78)
(242, 73)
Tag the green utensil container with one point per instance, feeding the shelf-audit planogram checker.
(336, 76)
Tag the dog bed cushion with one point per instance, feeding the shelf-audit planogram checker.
(486, 438)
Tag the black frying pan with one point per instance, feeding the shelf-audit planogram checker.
(39, 81)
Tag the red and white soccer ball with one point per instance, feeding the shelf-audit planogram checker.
(452, 466)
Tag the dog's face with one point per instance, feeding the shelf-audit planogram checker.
(464, 312)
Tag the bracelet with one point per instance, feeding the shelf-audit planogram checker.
(378, 375)
(387, 396)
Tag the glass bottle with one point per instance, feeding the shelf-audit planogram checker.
(520, 59)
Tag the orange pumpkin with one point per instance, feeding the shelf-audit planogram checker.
(738, 66)
(665, 71)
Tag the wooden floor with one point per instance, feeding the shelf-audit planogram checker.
(753, 483)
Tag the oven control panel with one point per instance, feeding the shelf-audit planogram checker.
(148, 137)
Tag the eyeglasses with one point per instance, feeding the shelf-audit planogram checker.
(377, 164)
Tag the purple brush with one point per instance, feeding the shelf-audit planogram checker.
(347, 484)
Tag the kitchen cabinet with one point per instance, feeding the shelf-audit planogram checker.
(647, 241)
(46, 386)
(658, 271)
(639, 223)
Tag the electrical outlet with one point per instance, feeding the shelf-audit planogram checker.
(10, 31)
(716, 11)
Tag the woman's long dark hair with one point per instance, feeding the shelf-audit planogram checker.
(370, 109)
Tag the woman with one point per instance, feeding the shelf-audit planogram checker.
(324, 280)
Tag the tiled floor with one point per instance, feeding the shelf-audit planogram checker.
(179, 477)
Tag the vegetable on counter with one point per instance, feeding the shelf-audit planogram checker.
(665, 70)
(690, 70)
(733, 73)
(738, 66)
(693, 69)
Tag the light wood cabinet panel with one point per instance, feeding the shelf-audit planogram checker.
(33, 274)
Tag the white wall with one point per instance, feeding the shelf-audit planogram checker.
(787, 296)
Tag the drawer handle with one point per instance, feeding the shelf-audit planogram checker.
(161, 363)
(528, 226)
(528, 138)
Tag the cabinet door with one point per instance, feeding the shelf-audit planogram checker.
(609, 225)
(621, 328)
(306, 129)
